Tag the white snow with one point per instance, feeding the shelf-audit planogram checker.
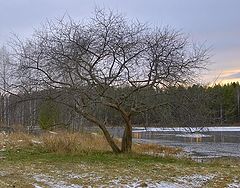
(193, 181)
(51, 182)
(193, 135)
(36, 142)
(37, 186)
(186, 129)
(234, 184)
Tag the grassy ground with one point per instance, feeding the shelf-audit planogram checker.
(33, 164)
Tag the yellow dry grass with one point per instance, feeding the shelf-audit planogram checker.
(17, 140)
(68, 142)
(65, 142)
(155, 149)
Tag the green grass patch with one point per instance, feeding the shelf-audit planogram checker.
(35, 154)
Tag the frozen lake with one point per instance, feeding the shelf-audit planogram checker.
(203, 143)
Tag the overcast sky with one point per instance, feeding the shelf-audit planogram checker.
(215, 22)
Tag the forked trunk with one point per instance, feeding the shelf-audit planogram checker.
(108, 137)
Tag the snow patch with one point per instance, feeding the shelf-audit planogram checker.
(2, 173)
(49, 181)
(195, 180)
(186, 129)
(36, 142)
(234, 184)
(193, 135)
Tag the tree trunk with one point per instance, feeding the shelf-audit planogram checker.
(108, 137)
(127, 135)
(110, 140)
(127, 140)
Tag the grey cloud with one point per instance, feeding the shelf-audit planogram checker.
(214, 21)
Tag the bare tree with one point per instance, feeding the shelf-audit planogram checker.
(107, 61)
(5, 65)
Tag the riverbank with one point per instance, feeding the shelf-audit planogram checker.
(34, 168)
(25, 164)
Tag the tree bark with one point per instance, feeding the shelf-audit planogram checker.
(127, 135)
(110, 140)
(127, 139)
(108, 137)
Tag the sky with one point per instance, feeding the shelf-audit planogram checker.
(216, 23)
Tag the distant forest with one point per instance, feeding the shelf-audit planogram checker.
(193, 106)
(110, 72)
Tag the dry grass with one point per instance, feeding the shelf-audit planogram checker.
(59, 142)
(67, 142)
(154, 149)
(16, 140)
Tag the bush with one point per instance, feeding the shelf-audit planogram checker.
(48, 115)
